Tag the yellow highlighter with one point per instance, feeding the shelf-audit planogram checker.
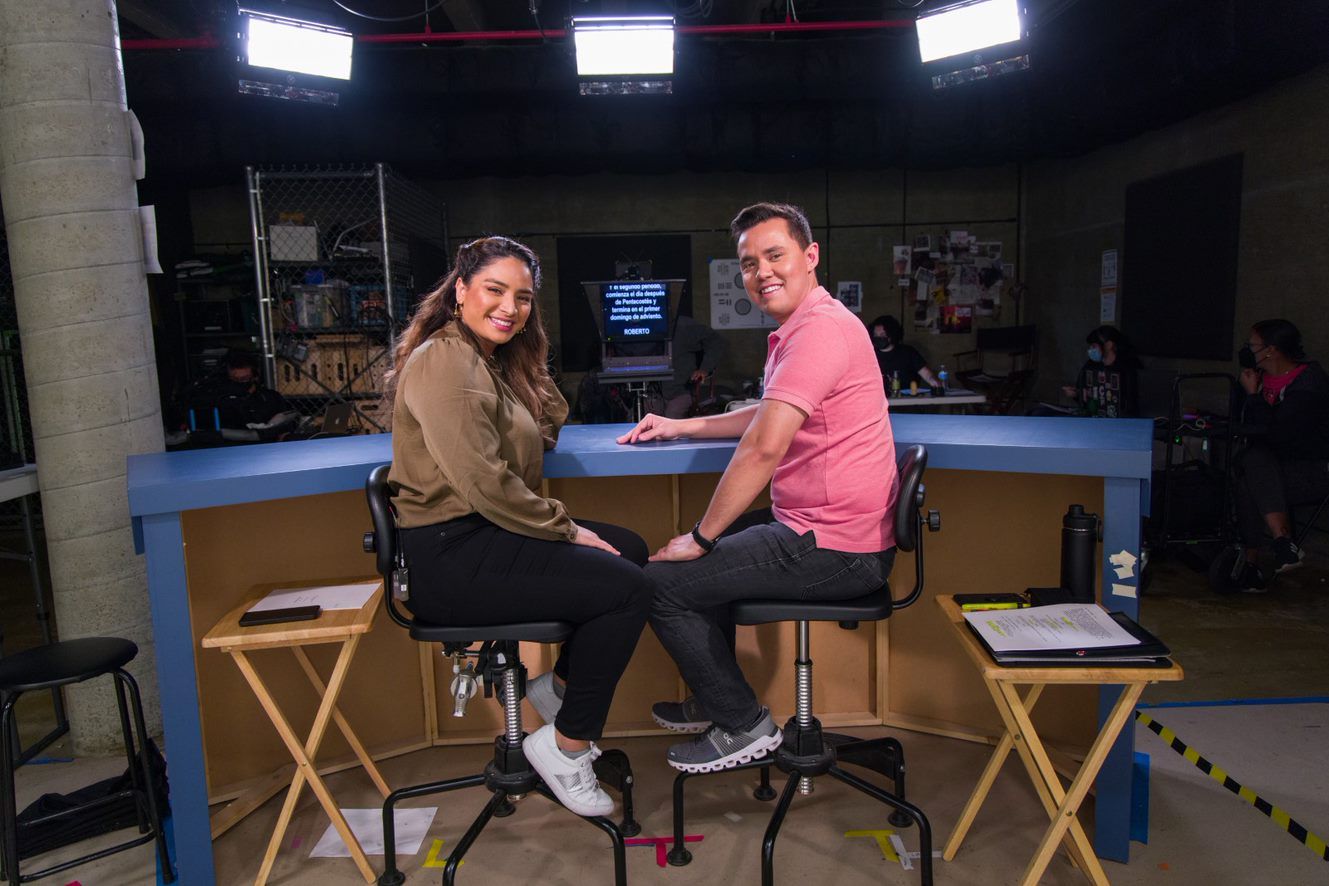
(981, 602)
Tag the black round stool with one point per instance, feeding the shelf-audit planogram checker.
(60, 664)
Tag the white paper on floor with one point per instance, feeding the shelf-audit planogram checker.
(367, 825)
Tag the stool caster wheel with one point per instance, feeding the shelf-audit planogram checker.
(395, 878)
(629, 827)
(678, 856)
(899, 819)
(763, 792)
(504, 809)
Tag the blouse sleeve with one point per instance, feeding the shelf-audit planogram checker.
(454, 400)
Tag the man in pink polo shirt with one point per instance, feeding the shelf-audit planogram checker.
(822, 439)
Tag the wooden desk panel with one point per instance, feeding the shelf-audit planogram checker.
(1000, 533)
(230, 550)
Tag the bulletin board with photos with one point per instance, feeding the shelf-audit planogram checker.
(951, 278)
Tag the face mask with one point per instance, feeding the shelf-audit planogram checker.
(1096, 354)
(881, 341)
(1246, 357)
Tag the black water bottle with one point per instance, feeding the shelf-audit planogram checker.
(1079, 534)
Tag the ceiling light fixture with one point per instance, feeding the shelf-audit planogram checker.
(973, 40)
(624, 55)
(291, 58)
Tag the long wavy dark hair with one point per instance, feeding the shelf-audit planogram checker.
(523, 360)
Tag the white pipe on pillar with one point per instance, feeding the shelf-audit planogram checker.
(71, 214)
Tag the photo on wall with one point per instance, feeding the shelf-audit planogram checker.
(850, 294)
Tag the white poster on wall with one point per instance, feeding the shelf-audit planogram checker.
(1108, 276)
(1107, 304)
(730, 306)
(850, 294)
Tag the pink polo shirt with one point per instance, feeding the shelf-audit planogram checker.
(838, 478)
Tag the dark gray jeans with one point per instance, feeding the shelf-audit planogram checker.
(757, 559)
(1268, 484)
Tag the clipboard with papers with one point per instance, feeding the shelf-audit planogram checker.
(1066, 634)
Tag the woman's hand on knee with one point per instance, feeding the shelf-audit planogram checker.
(589, 539)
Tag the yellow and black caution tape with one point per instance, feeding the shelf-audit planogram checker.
(1279, 817)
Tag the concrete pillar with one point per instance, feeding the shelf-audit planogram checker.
(71, 214)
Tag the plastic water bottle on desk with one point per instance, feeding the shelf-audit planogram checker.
(943, 378)
(895, 384)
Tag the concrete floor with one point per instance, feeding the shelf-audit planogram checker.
(1233, 647)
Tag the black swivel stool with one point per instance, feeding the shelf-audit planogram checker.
(60, 664)
(806, 752)
(509, 776)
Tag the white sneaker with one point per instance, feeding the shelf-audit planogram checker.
(572, 781)
(540, 692)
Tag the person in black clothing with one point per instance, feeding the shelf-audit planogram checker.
(894, 356)
(1286, 416)
(1108, 383)
(697, 349)
(232, 406)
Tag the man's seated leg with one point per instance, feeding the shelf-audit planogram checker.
(768, 561)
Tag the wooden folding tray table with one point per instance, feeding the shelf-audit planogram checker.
(344, 626)
(1061, 805)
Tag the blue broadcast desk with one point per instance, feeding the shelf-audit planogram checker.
(165, 486)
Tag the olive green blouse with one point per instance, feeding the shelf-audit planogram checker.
(462, 443)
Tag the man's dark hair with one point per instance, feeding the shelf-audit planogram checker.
(240, 360)
(794, 218)
(894, 330)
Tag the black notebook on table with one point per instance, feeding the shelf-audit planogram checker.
(1137, 647)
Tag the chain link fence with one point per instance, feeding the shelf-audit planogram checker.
(342, 255)
(16, 446)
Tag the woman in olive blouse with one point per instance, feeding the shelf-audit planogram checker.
(474, 410)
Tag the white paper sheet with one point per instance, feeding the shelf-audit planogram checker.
(1061, 626)
(329, 597)
(367, 825)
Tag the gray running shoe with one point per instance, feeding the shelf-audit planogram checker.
(719, 748)
(681, 716)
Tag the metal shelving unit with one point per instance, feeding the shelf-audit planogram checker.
(341, 255)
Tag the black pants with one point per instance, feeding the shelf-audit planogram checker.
(470, 572)
(1268, 484)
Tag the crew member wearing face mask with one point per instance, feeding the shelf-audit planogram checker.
(1286, 461)
(1107, 385)
(894, 356)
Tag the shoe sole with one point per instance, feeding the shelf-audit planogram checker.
(557, 789)
(1288, 567)
(685, 728)
(755, 751)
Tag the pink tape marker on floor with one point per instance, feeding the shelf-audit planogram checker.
(661, 844)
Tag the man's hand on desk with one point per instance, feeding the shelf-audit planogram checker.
(654, 427)
(680, 548)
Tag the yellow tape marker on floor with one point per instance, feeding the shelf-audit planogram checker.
(883, 839)
(433, 861)
(1278, 816)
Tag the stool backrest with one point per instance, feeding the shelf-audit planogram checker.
(912, 462)
(909, 515)
(384, 542)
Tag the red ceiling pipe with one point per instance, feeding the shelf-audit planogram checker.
(795, 27)
(208, 42)
(204, 42)
(457, 36)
